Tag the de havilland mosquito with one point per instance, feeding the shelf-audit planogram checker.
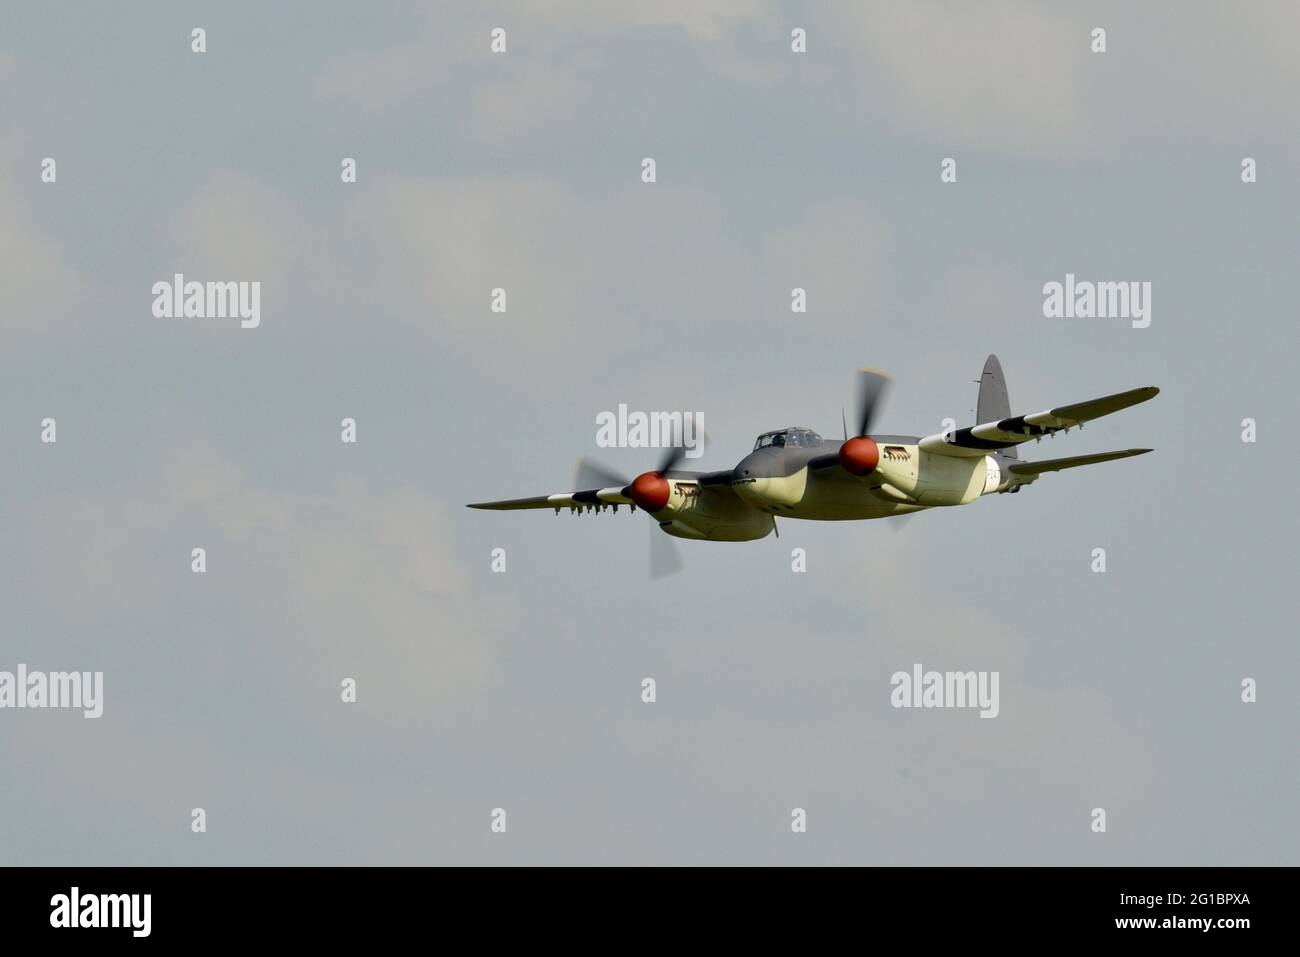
(795, 473)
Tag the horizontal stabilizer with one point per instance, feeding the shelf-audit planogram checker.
(1073, 462)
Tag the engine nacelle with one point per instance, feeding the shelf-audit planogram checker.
(954, 480)
(693, 512)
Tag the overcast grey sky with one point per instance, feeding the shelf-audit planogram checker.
(522, 690)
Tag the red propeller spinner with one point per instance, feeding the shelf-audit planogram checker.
(860, 455)
(650, 491)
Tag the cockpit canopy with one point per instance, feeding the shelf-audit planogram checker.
(798, 438)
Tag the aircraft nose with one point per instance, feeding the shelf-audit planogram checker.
(744, 470)
(761, 464)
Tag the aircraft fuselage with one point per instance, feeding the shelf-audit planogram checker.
(787, 482)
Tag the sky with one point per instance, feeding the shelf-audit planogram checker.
(522, 690)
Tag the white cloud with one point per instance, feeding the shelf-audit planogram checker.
(236, 227)
(554, 59)
(1008, 78)
(340, 582)
(39, 287)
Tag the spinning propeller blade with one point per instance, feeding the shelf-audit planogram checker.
(665, 558)
(871, 388)
(591, 474)
(649, 491)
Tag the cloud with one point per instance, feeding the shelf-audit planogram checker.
(555, 50)
(1009, 78)
(1020, 78)
(39, 286)
(708, 20)
(345, 582)
(236, 227)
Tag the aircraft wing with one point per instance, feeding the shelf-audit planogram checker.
(713, 481)
(1073, 462)
(980, 439)
(595, 496)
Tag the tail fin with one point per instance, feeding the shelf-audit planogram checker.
(993, 404)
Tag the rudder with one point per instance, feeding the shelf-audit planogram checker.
(993, 404)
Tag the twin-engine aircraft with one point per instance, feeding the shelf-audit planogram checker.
(795, 473)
